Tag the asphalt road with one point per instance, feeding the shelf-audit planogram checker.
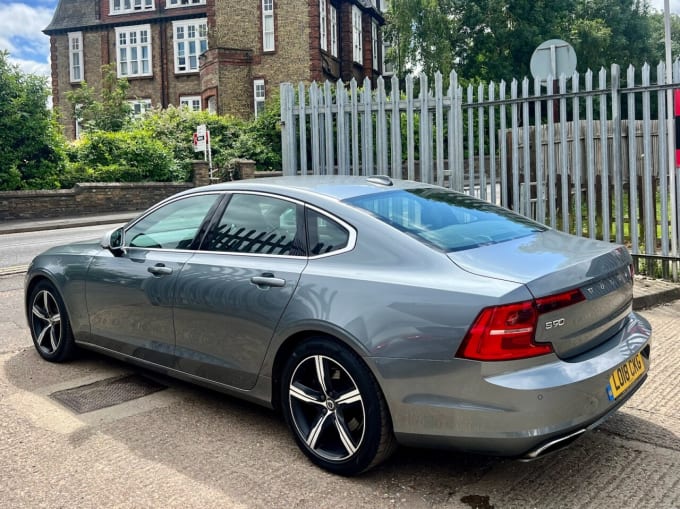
(190, 447)
(18, 249)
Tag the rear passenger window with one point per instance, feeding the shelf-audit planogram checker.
(257, 224)
(324, 235)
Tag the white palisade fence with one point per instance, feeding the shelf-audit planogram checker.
(584, 154)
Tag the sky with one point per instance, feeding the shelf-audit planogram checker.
(22, 22)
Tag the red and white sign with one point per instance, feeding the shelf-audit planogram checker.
(201, 138)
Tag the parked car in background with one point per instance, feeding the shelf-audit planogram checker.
(369, 311)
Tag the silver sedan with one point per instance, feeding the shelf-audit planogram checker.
(369, 311)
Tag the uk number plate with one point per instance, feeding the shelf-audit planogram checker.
(624, 376)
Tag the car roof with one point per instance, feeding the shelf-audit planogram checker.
(333, 186)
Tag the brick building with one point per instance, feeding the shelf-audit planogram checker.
(226, 56)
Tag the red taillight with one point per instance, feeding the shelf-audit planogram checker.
(507, 332)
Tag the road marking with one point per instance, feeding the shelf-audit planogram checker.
(15, 269)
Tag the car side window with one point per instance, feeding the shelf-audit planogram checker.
(172, 226)
(257, 224)
(324, 235)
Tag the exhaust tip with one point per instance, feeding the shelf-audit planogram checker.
(552, 445)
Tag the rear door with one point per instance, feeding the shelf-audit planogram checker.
(231, 294)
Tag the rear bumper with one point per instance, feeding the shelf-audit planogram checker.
(508, 408)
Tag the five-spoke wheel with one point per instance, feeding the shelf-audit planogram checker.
(335, 408)
(49, 323)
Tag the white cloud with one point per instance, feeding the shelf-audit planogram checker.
(21, 34)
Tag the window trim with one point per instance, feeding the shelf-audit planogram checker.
(374, 44)
(334, 31)
(267, 13)
(191, 98)
(256, 99)
(220, 206)
(186, 23)
(133, 102)
(357, 36)
(127, 30)
(178, 3)
(131, 10)
(323, 25)
(75, 36)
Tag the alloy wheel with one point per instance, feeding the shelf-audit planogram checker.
(46, 322)
(327, 408)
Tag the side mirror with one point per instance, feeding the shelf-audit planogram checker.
(114, 241)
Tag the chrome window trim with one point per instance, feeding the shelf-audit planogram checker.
(351, 241)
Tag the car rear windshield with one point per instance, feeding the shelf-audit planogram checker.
(448, 220)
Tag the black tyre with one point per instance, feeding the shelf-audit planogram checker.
(49, 323)
(335, 409)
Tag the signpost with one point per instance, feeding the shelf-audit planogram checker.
(201, 143)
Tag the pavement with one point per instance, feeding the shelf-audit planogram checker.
(647, 292)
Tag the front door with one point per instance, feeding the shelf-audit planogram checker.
(130, 296)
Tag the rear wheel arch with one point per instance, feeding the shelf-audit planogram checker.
(291, 343)
(353, 398)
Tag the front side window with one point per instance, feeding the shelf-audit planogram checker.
(258, 96)
(268, 43)
(127, 6)
(448, 220)
(134, 51)
(75, 54)
(191, 40)
(172, 226)
(322, 25)
(357, 35)
(193, 102)
(257, 224)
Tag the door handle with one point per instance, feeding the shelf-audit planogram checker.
(160, 270)
(268, 279)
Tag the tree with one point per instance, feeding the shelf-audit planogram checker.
(494, 39)
(107, 111)
(31, 145)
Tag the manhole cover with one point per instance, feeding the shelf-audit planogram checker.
(106, 393)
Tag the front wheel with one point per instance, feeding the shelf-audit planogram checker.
(50, 327)
(335, 408)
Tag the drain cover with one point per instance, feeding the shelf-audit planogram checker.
(106, 393)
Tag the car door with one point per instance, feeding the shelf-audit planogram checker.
(130, 295)
(231, 294)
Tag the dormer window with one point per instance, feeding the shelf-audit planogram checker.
(128, 6)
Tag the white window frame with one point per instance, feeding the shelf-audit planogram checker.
(268, 30)
(193, 102)
(173, 4)
(127, 6)
(77, 120)
(334, 31)
(199, 29)
(75, 57)
(374, 43)
(323, 25)
(143, 105)
(129, 46)
(357, 36)
(259, 96)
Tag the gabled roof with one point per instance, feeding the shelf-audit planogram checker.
(72, 15)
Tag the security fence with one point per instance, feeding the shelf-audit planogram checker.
(588, 159)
